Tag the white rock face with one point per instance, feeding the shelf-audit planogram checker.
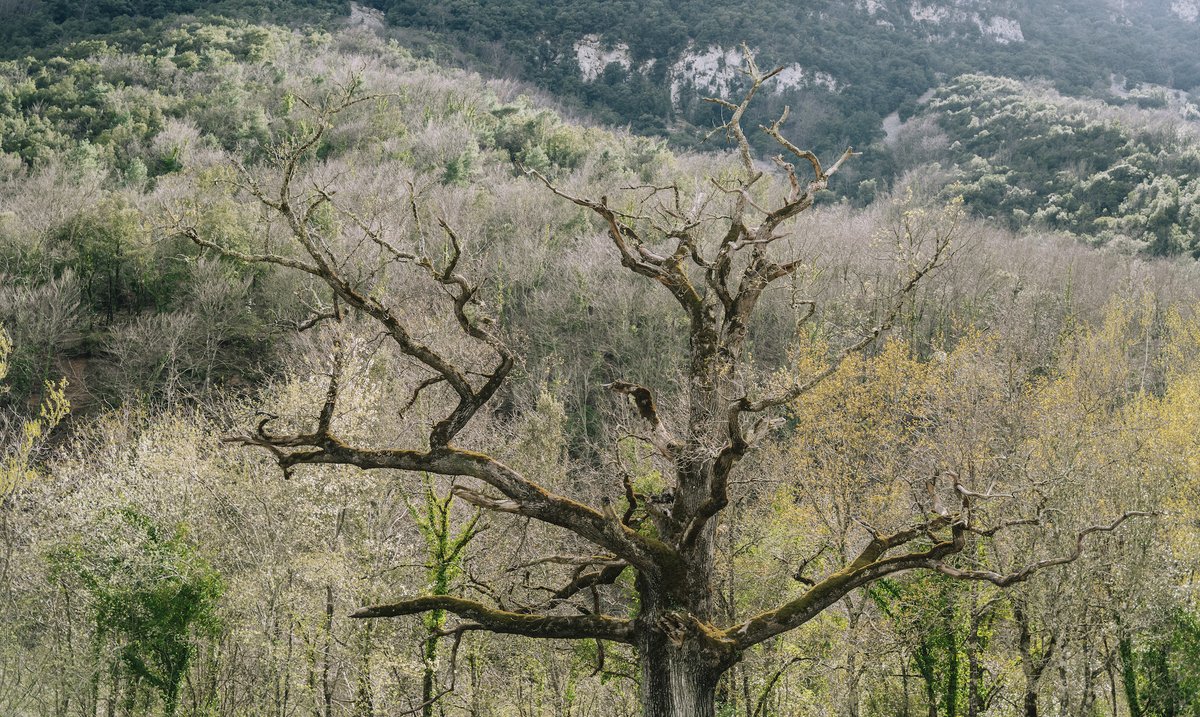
(1001, 29)
(593, 57)
(365, 17)
(795, 77)
(712, 69)
(715, 69)
(1187, 10)
(932, 14)
(869, 6)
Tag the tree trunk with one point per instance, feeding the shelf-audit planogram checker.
(1129, 676)
(952, 674)
(429, 677)
(854, 670)
(924, 659)
(853, 684)
(681, 662)
(1032, 665)
(1031, 704)
(975, 675)
(976, 643)
(327, 657)
(677, 680)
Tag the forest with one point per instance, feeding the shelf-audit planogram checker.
(339, 381)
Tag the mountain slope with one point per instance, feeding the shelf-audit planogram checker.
(1124, 172)
(850, 64)
(44, 26)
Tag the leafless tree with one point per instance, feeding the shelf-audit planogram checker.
(716, 252)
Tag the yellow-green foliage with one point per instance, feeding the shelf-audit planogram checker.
(16, 466)
(1174, 435)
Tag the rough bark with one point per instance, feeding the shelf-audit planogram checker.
(676, 680)
(681, 658)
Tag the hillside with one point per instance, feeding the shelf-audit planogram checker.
(44, 27)
(849, 64)
(1121, 173)
(338, 381)
(852, 74)
(97, 140)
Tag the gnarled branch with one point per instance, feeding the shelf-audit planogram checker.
(643, 400)
(870, 565)
(1006, 579)
(572, 627)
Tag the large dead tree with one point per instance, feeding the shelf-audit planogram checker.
(717, 266)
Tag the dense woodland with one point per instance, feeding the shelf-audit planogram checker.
(997, 340)
(876, 50)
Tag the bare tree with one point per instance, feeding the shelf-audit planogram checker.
(717, 253)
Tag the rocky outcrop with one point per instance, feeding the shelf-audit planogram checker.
(948, 17)
(712, 70)
(1186, 10)
(1002, 30)
(593, 56)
